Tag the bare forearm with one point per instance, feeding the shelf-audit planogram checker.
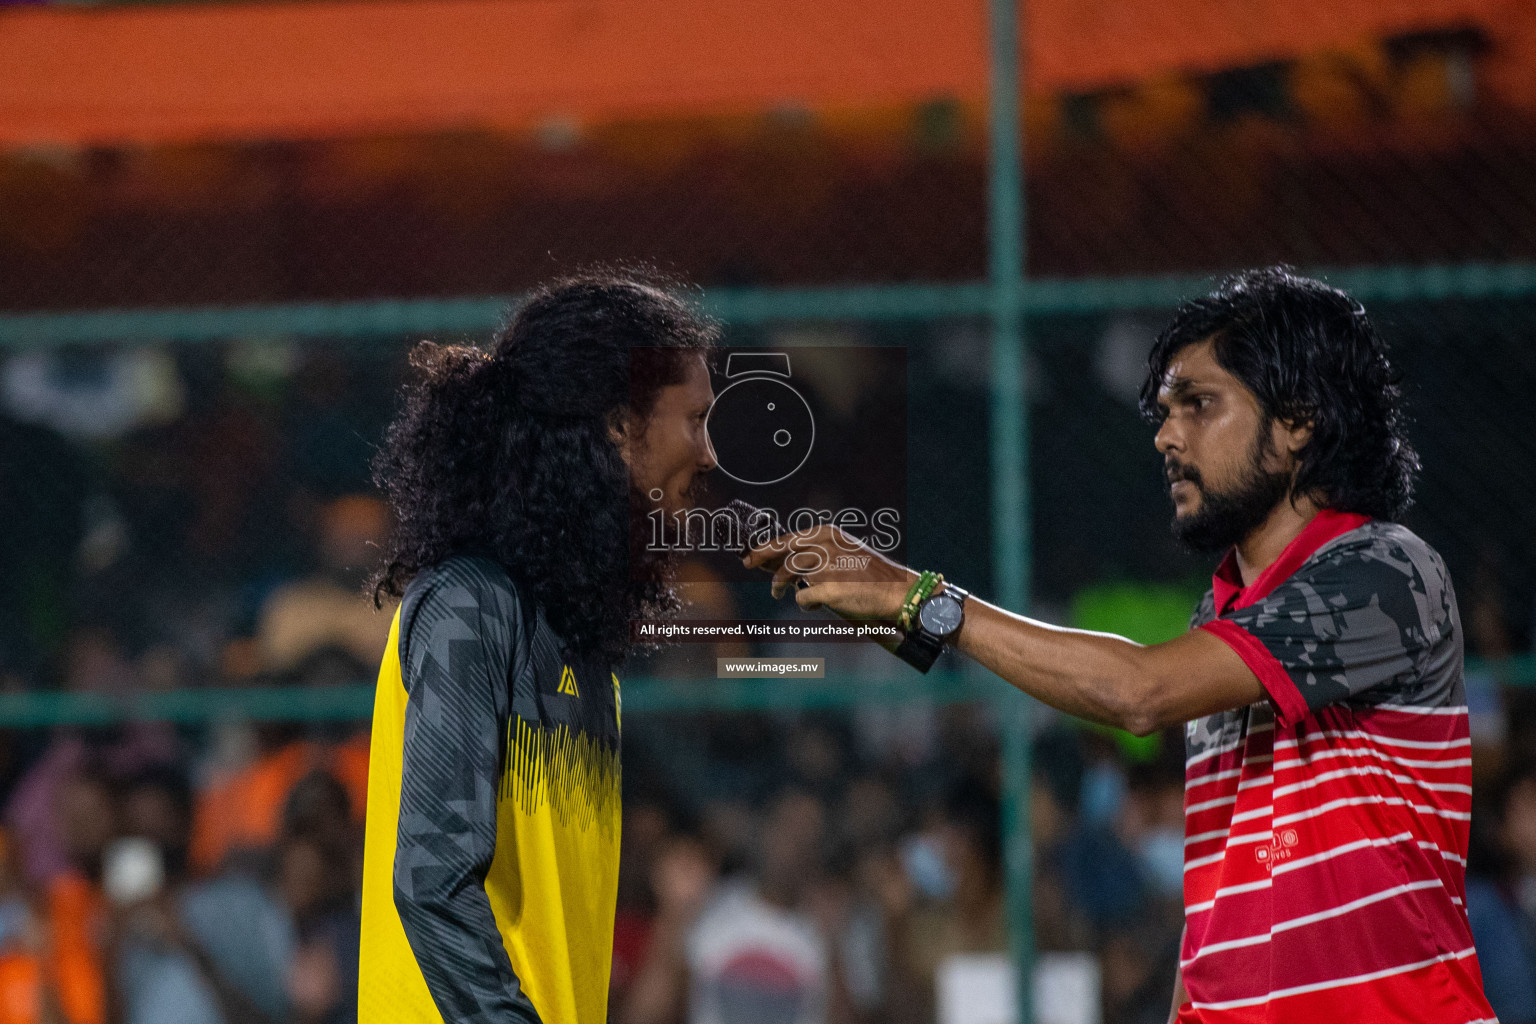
(1095, 676)
(1091, 675)
(1110, 679)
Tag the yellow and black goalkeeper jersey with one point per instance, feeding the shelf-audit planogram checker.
(492, 852)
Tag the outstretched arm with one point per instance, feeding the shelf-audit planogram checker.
(1106, 678)
(1096, 676)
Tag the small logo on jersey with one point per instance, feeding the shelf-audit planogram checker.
(568, 682)
(1280, 848)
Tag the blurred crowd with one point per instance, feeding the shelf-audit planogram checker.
(818, 872)
(226, 491)
(144, 878)
(206, 520)
(829, 868)
(178, 522)
(773, 870)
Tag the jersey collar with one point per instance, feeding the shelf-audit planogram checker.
(1227, 583)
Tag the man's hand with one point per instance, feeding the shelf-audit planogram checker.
(838, 571)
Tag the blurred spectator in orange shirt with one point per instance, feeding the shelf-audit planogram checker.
(75, 912)
(243, 811)
(26, 993)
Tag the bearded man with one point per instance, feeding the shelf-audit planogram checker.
(1328, 772)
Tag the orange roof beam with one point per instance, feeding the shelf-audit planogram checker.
(230, 72)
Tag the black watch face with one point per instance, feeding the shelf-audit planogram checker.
(941, 615)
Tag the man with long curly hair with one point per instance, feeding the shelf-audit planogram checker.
(516, 476)
(1327, 781)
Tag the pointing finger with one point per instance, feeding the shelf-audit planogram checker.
(767, 554)
(810, 598)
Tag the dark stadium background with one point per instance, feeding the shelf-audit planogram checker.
(223, 226)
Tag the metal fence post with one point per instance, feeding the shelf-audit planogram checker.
(1009, 462)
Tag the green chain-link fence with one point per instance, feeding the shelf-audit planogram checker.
(269, 292)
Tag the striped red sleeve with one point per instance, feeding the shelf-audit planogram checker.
(1289, 706)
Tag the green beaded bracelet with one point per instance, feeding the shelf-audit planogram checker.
(921, 588)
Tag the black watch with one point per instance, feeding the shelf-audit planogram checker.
(937, 622)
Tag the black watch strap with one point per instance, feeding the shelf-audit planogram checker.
(920, 649)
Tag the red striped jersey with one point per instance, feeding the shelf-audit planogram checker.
(1326, 829)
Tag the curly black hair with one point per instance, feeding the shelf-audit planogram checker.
(508, 453)
(1310, 354)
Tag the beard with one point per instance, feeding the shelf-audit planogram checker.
(1226, 517)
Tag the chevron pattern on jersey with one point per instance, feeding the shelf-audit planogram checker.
(578, 774)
